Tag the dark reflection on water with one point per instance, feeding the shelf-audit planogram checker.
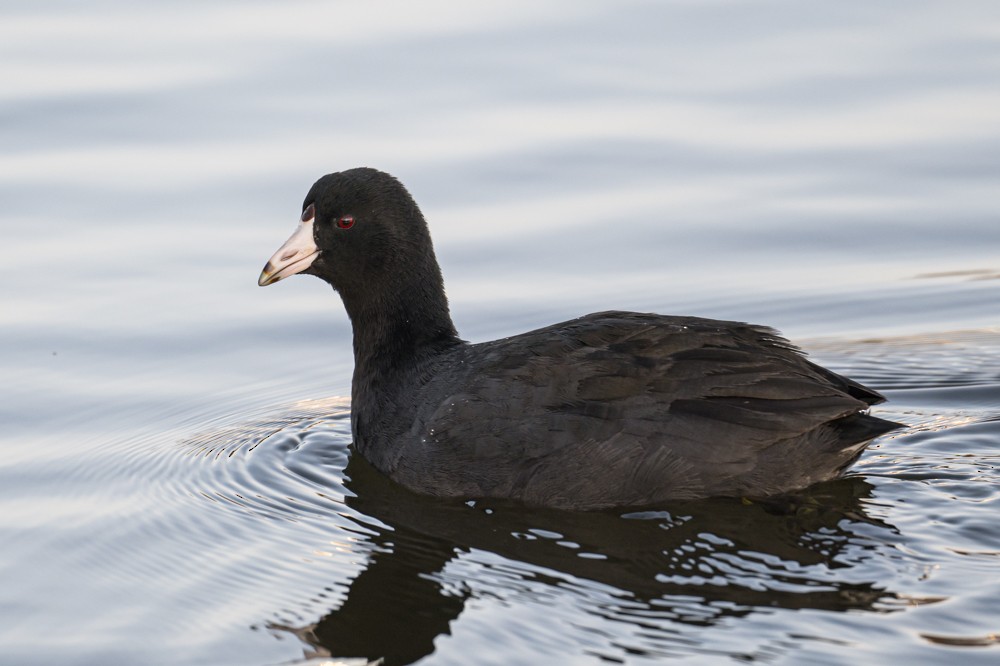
(694, 564)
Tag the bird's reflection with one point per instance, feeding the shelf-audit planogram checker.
(727, 557)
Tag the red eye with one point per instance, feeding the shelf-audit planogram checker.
(346, 222)
(309, 213)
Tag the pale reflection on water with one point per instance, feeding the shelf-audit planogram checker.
(829, 170)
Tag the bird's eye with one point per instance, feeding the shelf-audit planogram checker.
(309, 213)
(345, 222)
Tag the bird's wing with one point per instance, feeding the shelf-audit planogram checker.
(642, 392)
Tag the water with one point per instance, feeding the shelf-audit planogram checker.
(175, 478)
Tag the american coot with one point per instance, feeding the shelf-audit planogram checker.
(612, 409)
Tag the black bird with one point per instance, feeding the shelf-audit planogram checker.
(612, 409)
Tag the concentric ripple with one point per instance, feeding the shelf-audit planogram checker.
(285, 467)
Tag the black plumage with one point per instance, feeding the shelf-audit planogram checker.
(611, 409)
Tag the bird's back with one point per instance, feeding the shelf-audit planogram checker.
(621, 408)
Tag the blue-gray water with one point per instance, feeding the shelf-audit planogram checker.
(175, 483)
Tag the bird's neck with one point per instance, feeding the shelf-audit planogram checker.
(397, 338)
(396, 326)
(392, 333)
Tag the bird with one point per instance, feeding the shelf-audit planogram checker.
(609, 410)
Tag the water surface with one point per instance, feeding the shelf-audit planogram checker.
(176, 484)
